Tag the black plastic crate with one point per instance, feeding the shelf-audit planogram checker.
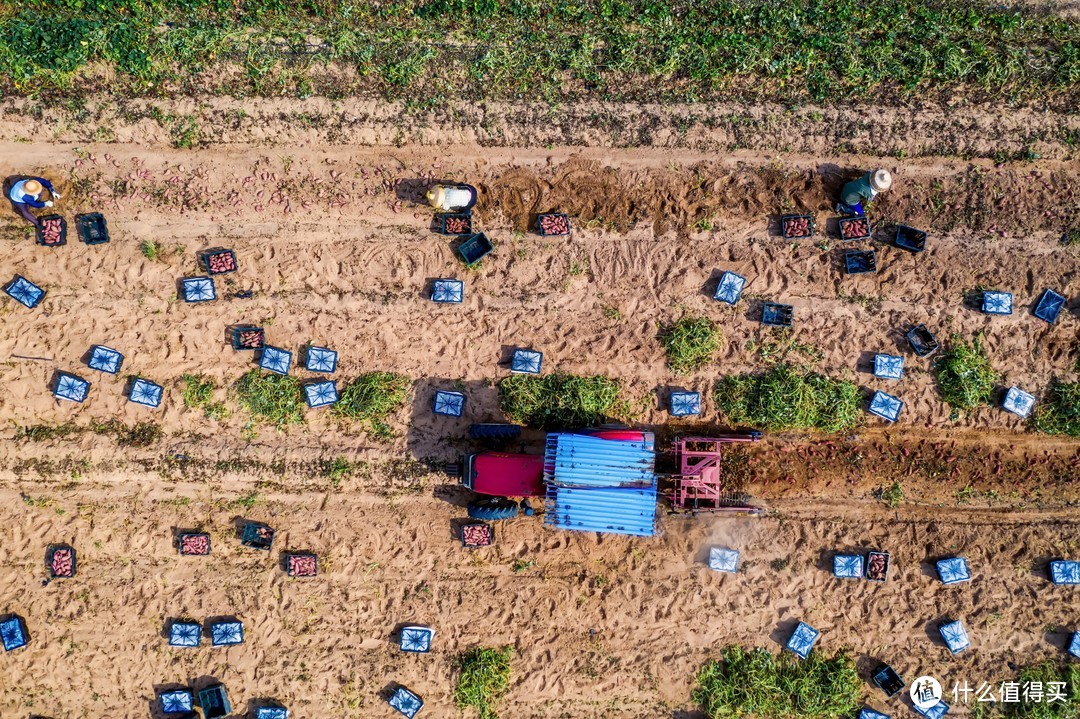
(190, 552)
(776, 315)
(858, 262)
(475, 248)
(92, 228)
(257, 536)
(458, 216)
(922, 341)
(788, 235)
(888, 680)
(910, 239)
(289, 569)
(41, 232)
(53, 549)
(219, 256)
(540, 224)
(473, 545)
(847, 231)
(238, 337)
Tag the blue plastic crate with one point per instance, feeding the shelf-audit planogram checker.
(847, 566)
(886, 406)
(1074, 645)
(271, 713)
(1018, 402)
(70, 387)
(177, 701)
(416, 639)
(451, 404)
(24, 292)
(185, 634)
(214, 701)
(275, 359)
(13, 633)
(722, 559)
(1049, 306)
(888, 366)
(887, 680)
(867, 713)
(224, 634)
(405, 702)
(145, 392)
(997, 303)
(730, 288)
(953, 570)
(1064, 572)
(526, 362)
(802, 640)
(447, 291)
(198, 289)
(105, 359)
(955, 636)
(777, 315)
(685, 404)
(320, 394)
(935, 712)
(320, 359)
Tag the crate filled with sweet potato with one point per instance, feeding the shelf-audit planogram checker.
(62, 562)
(553, 224)
(796, 226)
(477, 534)
(303, 565)
(855, 228)
(195, 544)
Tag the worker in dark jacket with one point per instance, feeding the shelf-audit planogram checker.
(25, 192)
(858, 192)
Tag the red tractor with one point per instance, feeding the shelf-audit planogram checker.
(584, 462)
(501, 475)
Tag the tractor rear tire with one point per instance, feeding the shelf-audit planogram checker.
(494, 431)
(490, 510)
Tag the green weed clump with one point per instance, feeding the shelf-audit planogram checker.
(757, 684)
(199, 392)
(1059, 410)
(690, 343)
(273, 398)
(964, 375)
(784, 397)
(559, 401)
(484, 679)
(372, 397)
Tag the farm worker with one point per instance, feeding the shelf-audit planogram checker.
(26, 193)
(450, 198)
(865, 189)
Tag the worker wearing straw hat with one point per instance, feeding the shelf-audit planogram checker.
(452, 198)
(863, 190)
(25, 192)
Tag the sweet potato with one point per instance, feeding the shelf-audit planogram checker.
(63, 563)
(303, 565)
(476, 535)
(554, 225)
(197, 544)
(458, 225)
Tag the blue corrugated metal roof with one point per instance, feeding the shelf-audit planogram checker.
(618, 510)
(576, 460)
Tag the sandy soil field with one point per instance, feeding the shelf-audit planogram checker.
(334, 249)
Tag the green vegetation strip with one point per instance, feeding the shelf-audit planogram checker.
(560, 401)
(484, 679)
(273, 398)
(754, 683)
(372, 397)
(964, 376)
(638, 50)
(1058, 412)
(785, 397)
(690, 343)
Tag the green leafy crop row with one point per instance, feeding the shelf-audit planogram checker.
(534, 49)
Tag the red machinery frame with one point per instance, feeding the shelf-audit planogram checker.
(697, 485)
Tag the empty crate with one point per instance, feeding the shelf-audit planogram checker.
(730, 288)
(24, 292)
(145, 392)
